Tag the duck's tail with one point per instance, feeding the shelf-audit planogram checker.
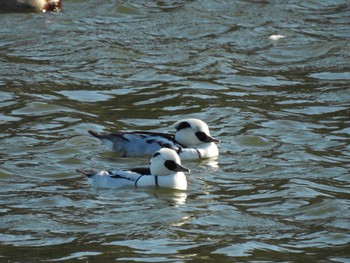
(87, 173)
(95, 134)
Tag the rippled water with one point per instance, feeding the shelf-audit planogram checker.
(279, 191)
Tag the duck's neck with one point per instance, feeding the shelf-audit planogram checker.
(204, 150)
(173, 181)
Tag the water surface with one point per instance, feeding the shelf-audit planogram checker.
(279, 191)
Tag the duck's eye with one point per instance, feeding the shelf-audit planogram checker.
(201, 136)
(171, 165)
(183, 125)
(155, 154)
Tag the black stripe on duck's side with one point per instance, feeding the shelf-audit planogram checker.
(156, 180)
(141, 170)
(199, 154)
(117, 176)
(137, 181)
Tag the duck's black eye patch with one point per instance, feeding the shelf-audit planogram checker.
(201, 136)
(171, 165)
(156, 154)
(183, 125)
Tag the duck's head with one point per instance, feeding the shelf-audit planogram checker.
(166, 161)
(192, 132)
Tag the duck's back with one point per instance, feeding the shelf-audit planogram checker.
(111, 179)
(131, 144)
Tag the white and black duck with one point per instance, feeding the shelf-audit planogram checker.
(192, 140)
(165, 171)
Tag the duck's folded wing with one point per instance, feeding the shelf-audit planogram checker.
(135, 143)
(142, 170)
(124, 175)
(110, 178)
(165, 140)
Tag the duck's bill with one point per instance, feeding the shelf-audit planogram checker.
(180, 168)
(211, 139)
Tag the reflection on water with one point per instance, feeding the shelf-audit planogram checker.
(279, 190)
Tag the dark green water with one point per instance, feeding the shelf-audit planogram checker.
(279, 191)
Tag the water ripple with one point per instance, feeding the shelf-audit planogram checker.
(279, 190)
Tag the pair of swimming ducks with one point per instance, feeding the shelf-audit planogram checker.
(191, 141)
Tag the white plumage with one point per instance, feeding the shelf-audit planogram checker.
(192, 140)
(165, 170)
